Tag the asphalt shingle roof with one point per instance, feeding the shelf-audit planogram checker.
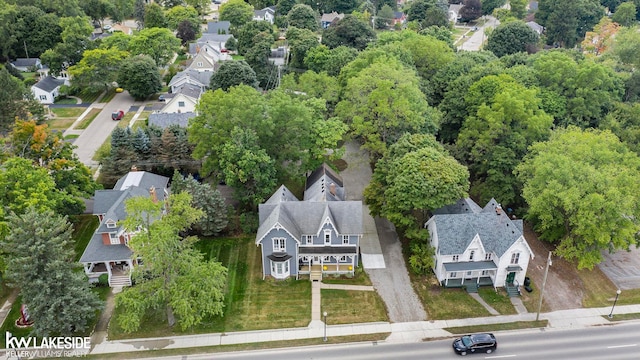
(164, 120)
(49, 83)
(457, 229)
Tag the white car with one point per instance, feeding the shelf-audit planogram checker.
(107, 27)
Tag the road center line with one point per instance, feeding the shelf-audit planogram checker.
(621, 346)
(499, 357)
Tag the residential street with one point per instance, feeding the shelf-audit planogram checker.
(100, 128)
(474, 43)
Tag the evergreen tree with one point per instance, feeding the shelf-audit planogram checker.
(206, 198)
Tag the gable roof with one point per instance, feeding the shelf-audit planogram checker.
(25, 62)
(97, 251)
(306, 217)
(192, 76)
(218, 27)
(143, 179)
(49, 83)
(535, 26)
(164, 120)
(457, 229)
(331, 16)
(192, 91)
(324, 184)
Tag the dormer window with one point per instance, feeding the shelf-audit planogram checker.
(327, 237)
(487, 257)
(111, 224)
(456, 258)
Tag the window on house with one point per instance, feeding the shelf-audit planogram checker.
(327, 237)
(484, 272)
(454, 274)
(471, 255)
(115, 240)
(456, 257)
(180, 103)
(468, 273)
(279, 245)
(280, 269)
(308, 239)
(345, 239)
(515, 257)
(43, 97)
(199, 63)
(111, 224)
(487, 256)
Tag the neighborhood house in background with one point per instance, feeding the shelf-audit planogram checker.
(477, 246)
(317, 236)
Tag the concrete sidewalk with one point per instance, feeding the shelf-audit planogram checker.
(400, 332)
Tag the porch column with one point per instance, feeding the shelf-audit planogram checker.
(108, 265)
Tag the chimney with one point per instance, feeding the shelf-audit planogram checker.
(134, 168)
(498, 210)
(332, 189)
(152, 192)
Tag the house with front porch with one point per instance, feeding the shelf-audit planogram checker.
(108, 250)
(477, 246)
(317, 236)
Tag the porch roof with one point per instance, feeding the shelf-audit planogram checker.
(514, 268)
(315, 250)
(97, 251)
(470, 265)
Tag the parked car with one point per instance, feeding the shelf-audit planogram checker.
(107, 27)
(161, 98)
(482, 343)
(118, 115)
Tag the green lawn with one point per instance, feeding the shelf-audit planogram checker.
(89, 97)
(108, 96)
(348, 307)
(498, 300)
(446, 303)
(65, 100)
(88, 119)
(83, 229)
(250, 303)
(68, 112)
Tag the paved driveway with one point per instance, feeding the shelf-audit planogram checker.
(100, 128)
(622, 268)
(380, 247)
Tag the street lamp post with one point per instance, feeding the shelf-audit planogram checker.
(614, 303)
(325, 327)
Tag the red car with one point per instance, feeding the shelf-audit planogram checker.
(117, 115)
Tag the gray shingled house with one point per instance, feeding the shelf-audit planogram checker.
(108, 251)
(477, 246)
(317, 236)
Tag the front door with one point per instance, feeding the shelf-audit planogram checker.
(510, 277)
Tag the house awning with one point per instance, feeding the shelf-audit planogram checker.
(333, 250)
(470, 265)
(279, 257)
(512, 268)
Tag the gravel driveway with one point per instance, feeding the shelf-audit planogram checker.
(392, 283)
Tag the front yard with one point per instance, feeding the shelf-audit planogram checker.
(254, 304)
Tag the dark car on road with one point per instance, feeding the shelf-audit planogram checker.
(483, 343)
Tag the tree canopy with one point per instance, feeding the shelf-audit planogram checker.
(140, 76)
(237, 12)
(582, 203)
(175, 276)
(348, 31)
(233, 73)
(512, 37)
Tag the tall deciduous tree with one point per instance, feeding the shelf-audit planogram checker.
(208, 199)
(39, 254)
(248, 31)
(489, 5)
(302, 16)
(98, 68)
(584, 204)
(415, 176)
(178, 14)
(175, 277)
(495, 138)
(321, 58)
(154, 16)
(140, 76)
(626, 46)
(625, 14)
(471, 10)
(300, 41)
(512, 37)
(237, 12)
(348, 31)
(566, 22)
(233, 73)
(383, 102)
(159, 43)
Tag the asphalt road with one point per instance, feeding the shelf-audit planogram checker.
(100, 129)
(619, 342)
(478, 37)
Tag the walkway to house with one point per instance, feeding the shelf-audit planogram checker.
(316, 298)
(100, 333)
(6, 307)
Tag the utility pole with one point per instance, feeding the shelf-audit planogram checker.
(24, 42)
(544, 282)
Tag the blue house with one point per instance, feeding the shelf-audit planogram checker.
(316, 236)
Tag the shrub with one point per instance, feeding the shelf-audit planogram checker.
(103, 280)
